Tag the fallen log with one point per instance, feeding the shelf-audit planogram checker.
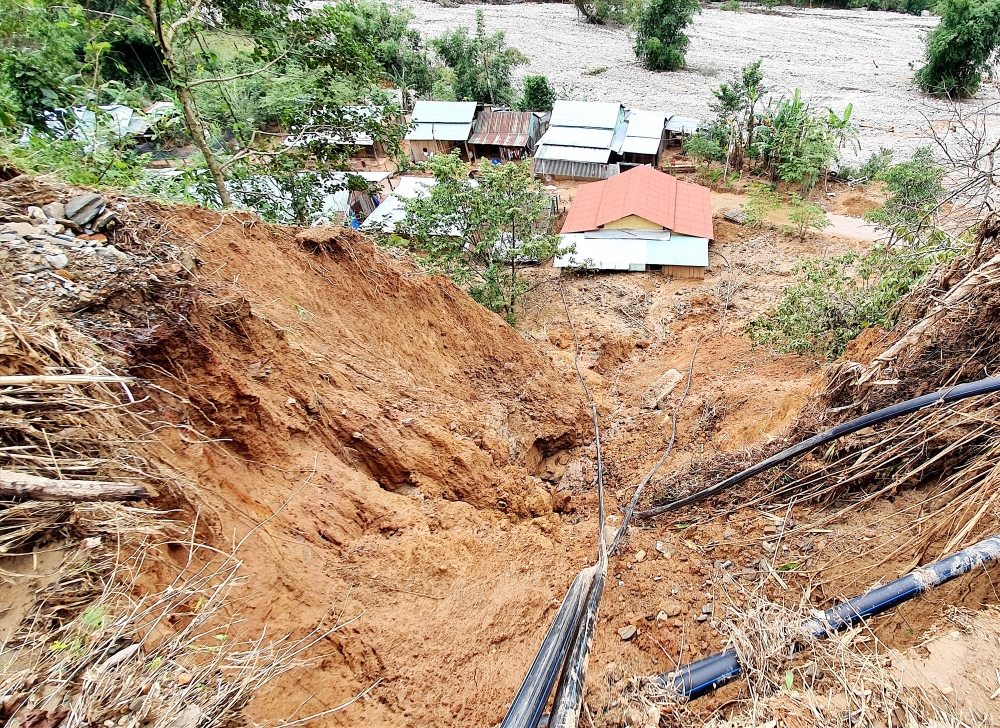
(34, 487)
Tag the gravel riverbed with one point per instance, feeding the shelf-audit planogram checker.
(836, 57)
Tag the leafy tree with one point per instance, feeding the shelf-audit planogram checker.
(660, 42)
(735, 107)
(483, 63)
(762, 200)
(39, 60)
(538, 94)
(834, 299)
(483, 233)
(806, 216)
(702, 148)
(914, 189)
(397, 48)
(961, 47)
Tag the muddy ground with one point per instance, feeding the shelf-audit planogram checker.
(403, 457)
(837, 57)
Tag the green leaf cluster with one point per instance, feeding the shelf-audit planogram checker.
(482, 63)
(835, 299)
(914, 189)
(482, 233)
(961, 47)
(538, 94)
(660, 41)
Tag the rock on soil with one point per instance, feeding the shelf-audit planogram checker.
(836, 57)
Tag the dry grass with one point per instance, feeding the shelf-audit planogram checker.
(793, 679)
(144, 657)
(123, 632)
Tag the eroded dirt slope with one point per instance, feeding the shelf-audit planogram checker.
(383, 437)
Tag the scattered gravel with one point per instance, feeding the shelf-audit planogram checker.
(835, 56)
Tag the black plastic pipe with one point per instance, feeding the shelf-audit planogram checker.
(944, 396)
(703, 676)
(529, 703)
(568, 703)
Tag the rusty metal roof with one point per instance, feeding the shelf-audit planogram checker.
(505, 128)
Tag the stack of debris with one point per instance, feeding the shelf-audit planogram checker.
(61, 247)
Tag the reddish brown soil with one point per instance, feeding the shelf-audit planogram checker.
(427, 472)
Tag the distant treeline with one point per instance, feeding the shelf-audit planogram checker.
(913, 7)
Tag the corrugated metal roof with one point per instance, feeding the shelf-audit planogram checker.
(392, 210)
(444, 112)
(647, 193)
(627, 253)
(646, 123)
(440, 132)
(587, 114)
(573, 154)
(564, 136)
(640, 145)
(683, 124)
(505, 128)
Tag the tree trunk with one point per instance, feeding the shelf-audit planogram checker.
(33, 487)
(183, 91)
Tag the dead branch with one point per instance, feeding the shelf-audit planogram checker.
(22, 485)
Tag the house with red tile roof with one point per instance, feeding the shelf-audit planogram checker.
(638, 220)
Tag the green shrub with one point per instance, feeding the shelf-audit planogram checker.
(806, 216)
(835, 299)
(538, 94)
(660, 41)
(762, 200)
(702, 148)
(914, 189)
(961, 47)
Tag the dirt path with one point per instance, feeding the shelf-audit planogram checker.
(837, 57)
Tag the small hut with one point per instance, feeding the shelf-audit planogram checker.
(439, 127)
(505, 135)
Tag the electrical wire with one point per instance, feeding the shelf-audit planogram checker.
(630, 511)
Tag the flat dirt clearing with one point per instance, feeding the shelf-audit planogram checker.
(836, 57)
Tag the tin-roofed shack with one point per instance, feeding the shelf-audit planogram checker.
(584, 141)
(439, 127)
(645, 137)
(505, 135)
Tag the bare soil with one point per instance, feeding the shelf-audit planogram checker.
(418, 466)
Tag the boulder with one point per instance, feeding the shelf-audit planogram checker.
(35, 213)
(84, 208)
(105, 221)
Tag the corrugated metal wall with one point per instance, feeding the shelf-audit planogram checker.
(575, 170)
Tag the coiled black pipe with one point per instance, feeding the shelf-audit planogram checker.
(703, 676)
(944, 396)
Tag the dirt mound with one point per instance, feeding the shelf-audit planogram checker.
(393, 449)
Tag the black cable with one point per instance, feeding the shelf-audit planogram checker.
(944, 396)
(630, 511)
(567, 644)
